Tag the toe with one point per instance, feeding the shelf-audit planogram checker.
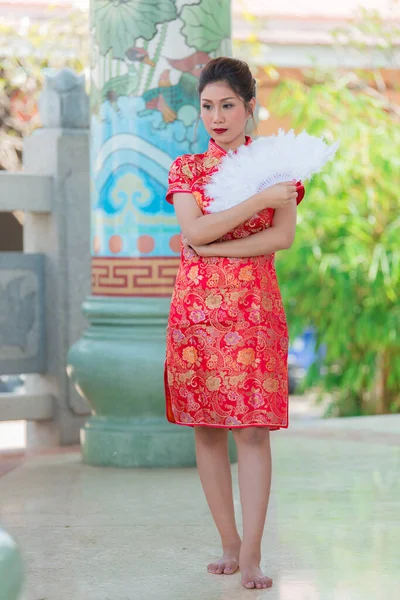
(267, 583)
(228, 570)
(249, 585)
(212, 568)
(220, 570)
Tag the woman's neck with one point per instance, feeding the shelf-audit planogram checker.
(234, 144)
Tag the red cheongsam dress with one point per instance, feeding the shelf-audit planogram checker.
(227, 338)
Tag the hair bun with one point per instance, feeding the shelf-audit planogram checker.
(234, 71)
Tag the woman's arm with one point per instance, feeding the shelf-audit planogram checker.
(201, 229)
(279, 236)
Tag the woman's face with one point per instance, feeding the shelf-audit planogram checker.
(224, 115)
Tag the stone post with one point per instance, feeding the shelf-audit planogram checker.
(11, 568)
(61, 149)
(145, 61)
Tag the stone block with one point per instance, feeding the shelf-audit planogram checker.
(22, 336)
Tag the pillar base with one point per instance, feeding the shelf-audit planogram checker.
(118, 366)
(139, 442)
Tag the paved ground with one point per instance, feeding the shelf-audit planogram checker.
(107, 534)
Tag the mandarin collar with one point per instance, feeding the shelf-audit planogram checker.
(217, 151)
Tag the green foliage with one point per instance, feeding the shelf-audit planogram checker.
(343, 273)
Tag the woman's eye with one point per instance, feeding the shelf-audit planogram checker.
(228, 105)
(206, 106)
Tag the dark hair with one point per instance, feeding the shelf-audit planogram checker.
(235, 72)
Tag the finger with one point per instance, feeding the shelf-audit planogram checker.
(289, 199)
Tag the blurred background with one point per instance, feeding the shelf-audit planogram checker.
(331, 68)
(83, 391)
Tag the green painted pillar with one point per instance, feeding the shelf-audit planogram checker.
(146, 56)
(11, 569)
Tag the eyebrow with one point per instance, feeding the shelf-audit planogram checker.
(222, 99)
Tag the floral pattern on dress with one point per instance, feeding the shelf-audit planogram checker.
(227, 337)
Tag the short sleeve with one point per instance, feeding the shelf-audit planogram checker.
(300, 192)
(178, 178)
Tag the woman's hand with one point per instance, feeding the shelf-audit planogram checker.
(201, 250)
(278, 195)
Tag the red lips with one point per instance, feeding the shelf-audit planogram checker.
(219, 131)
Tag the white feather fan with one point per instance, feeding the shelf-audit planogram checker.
(265, 162)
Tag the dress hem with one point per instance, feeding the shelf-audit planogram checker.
(270, 427)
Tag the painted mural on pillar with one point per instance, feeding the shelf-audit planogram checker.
(146, 59)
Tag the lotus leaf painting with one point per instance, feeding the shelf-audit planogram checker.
(146, 59)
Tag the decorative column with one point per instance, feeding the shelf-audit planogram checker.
(145, 62)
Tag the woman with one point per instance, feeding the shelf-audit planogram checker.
(227, 339)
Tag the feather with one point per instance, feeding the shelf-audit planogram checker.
(265, 162)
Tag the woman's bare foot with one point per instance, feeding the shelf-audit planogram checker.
(228, 564)
(252, 576)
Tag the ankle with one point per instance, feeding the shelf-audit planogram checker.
(231, 543)
(250, 553)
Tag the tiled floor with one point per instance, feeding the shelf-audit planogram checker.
(333, 531)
